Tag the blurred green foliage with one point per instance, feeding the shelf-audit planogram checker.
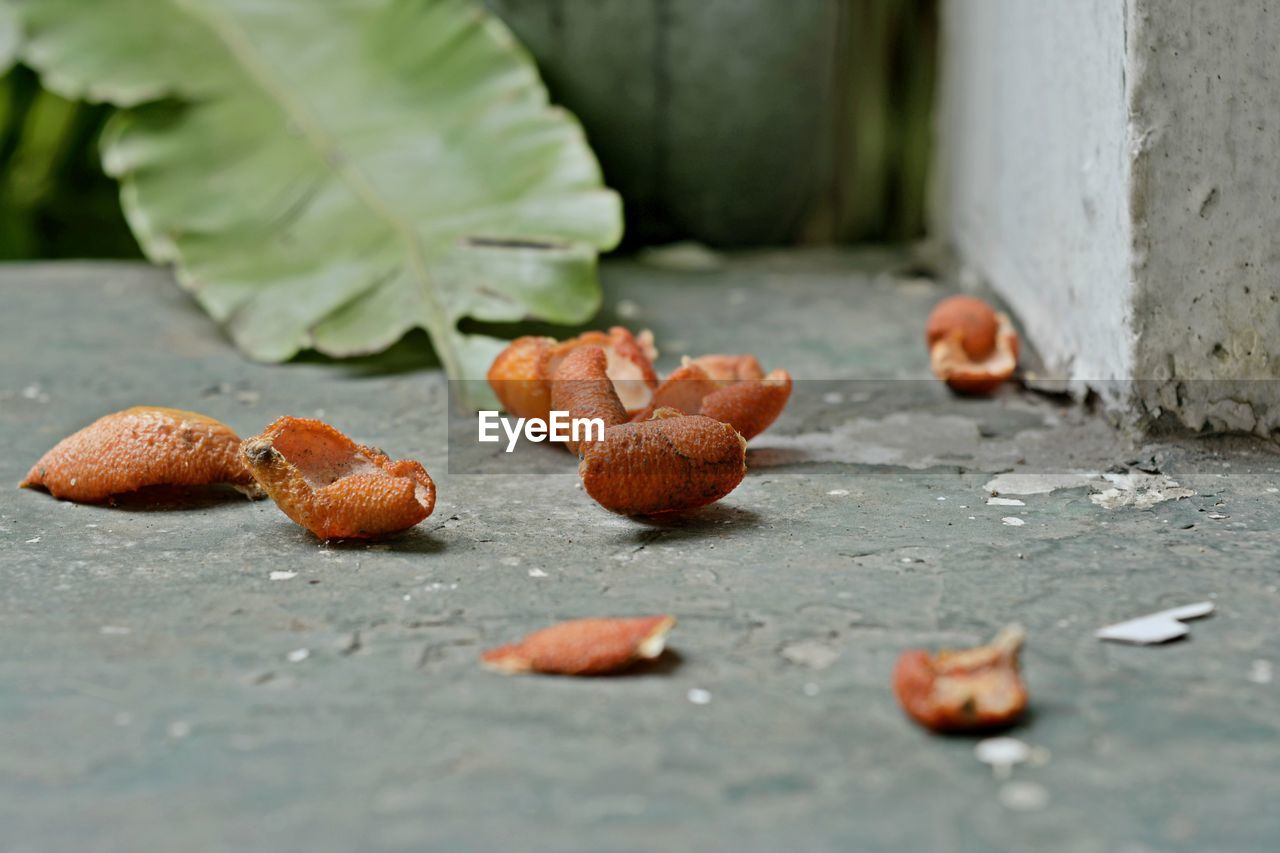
(55, 201)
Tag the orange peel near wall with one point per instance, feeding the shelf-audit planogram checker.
(972, 347)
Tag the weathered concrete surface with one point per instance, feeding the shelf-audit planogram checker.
(148, 699)
(1109, 167)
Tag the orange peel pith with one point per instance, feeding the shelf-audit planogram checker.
(668, 464)
(138, 448)
(964, 690)
(521, 374)
(972, 347)
(334, 487)
(584, 647)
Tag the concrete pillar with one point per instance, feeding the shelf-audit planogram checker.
(1112, 167)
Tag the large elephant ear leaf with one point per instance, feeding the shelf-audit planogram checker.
(332, 174)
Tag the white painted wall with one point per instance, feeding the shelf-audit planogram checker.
(1112, 168)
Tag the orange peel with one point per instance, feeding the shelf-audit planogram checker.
(671, 463)
(137, 448)
(334, 487)
(729, 388)
(972, 347)
(584, 647)
(964, 690)
(582, 388)
(521, 374)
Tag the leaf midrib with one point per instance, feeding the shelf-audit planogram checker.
(312, 131)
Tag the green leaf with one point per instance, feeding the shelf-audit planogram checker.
(10, 36)
(332, 174)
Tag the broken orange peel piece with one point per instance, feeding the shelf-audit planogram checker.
(584, 647)
(964, 690)
(138, 448)
(521, 374)
(972, 347)
(732, 389)
(334, 487)
(518, 377)
(582, 388)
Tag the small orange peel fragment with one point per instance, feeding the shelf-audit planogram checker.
(138, 448)
(334, 487)
(972, 347)
(584, 647)
(671, 463)
(964, 690)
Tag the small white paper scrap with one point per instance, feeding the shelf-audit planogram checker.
(1158, 627)
(1002, 753)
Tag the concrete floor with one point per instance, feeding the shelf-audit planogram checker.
(154, 691)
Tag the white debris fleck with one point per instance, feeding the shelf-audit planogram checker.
(941, 498)
(1157, 627)
(537, 573)
(179, 729)
(1038, 484)
(33, 541)
(838, 493)
(283, 576)
(114, 630)
(1260, 671)
(627, 309)
(298, 655)
(1020, 796)
(1138, 490)
(811, 654)
(1005, 502)
(1002, 754)
(1217, 516)
(1012, 521)
(698, 696)
(833, 398)
(1272, 490)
